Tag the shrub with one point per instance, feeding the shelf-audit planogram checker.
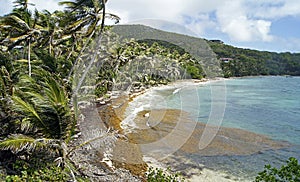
(159, 175)
(289, 172)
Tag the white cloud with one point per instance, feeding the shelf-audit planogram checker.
(290, 44)
(235, 22)
(272, 9)
(239, 20)
(50, 5)
(232, 16)
(146, 9)
(200, 24)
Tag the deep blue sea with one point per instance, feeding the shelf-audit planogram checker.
(264, 105)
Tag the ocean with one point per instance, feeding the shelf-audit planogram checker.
(268, 105)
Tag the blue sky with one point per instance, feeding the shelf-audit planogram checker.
(271, 25)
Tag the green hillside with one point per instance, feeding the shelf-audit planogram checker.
(213, 55)
(243, 62)
(196, 47)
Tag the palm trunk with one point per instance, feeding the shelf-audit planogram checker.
(50, 50)
(29, 63)
(103, 16)
(88, 40)
(80, 53)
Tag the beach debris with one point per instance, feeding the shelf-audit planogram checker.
(147, 115)
(106, 159)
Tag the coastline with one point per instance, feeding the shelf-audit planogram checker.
(112, 113)
(256, 144)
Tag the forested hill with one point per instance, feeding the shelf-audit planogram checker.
(196, 47)
(214, 54)
(242, 62)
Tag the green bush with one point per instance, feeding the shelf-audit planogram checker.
(34, 170)
(46, 174)
(289, 172)
(159, 175)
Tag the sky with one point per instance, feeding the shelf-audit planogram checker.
(269, 25)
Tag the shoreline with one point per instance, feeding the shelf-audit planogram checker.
(202, 173)
(206, 173)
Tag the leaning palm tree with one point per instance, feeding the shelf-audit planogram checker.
(22, 30)
(88, 18)
(22, 4)
(49, 29)
(43, 100)
(41, 116)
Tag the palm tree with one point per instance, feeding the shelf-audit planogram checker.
(22, 4)
(43, 101)
(50, 30)
(88, 17)
(42, 115)
(22, 30)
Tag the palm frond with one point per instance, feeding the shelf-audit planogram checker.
(27, 109)
(55, 92)
(38, 98)
(19, 38)
(113, 17)
(26, 125)
(69, 4)
(19, 22)
(58, 99)
(78, 24)
(17, 143)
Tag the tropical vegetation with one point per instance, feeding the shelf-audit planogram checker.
(38, 51)
(246, 62)
(159, 175)
(212, 55)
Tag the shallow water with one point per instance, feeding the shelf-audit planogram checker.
(264, 105)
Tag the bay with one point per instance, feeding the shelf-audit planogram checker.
(265, 105)
(268, 105)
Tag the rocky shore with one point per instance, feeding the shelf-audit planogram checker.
(126, 155)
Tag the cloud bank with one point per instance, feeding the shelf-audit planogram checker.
(242, 20)
(238, 21)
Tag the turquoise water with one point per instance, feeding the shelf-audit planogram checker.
(264, 105)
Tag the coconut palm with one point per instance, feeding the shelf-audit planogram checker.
(41, 108)
(43, 101)
(22, 30)
(41, 117)
(88, 15)
(88, 18)
(49, 29)
(22, 4)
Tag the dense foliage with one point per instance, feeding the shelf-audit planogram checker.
(246, 62)
(212, 55)
(193, 67)
(196, 47)
(37, 52)
(160, 175)
(145, 65)
(289, 172)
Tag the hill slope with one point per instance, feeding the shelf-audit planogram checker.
(197, 47)
(216, 58)
(243, 62)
